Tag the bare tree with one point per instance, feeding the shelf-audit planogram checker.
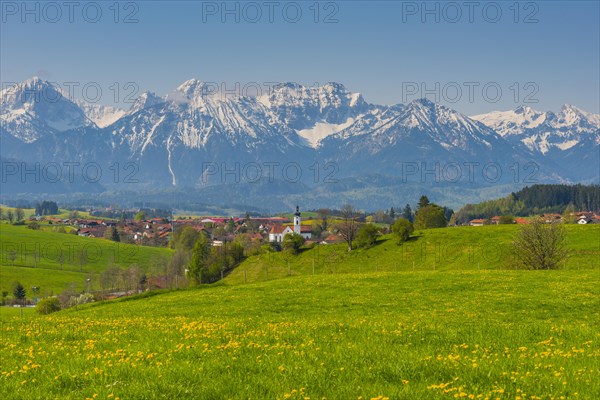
(132, 277)
(323, 214)
(540, 246)
(109, 278)
(349, 225)
(176, 268)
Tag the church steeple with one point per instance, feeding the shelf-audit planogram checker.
(297, 220)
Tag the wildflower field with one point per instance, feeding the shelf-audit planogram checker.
(404, 335)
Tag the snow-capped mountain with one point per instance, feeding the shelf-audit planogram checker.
(100, 114)
(194, 138)
(35, 107)
(425, 135)
(145, 100)
(544, 132)
(315, 112)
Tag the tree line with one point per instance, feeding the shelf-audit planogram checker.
(535, 200)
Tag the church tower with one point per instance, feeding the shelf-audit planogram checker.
(297, 220)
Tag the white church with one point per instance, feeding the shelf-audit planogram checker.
(278, 232)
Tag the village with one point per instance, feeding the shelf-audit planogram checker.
(581, 218)
(157, 231)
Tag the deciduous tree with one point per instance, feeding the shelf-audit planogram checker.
(430, 216)
(538, 245)
(402, 229)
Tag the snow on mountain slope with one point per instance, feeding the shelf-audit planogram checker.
(198, 120)
(434, 123)
(172, 137)
(543, 131)
(512, 122)
(145, 100)
(101, 115)
(321, 130)
(301, 107)
(35, 107)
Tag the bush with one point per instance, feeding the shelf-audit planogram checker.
(292, 242)
(34, 225)
(402, 230)
(59, 229)
(367, 236)
(48, 306)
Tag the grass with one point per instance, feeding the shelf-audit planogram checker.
(461, 323)
(457, 248)
(47, 274)
(424, 335)
(62, 213)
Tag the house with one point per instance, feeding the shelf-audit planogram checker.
(552, 218)
(331, 239)
(496, 219)
(278, 232)
(584, 220)
(521, 221)
(478, 222)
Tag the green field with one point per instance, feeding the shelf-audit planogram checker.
(46, 247)
(442, 316)
(63, 213)
(423, 335)
(455, 248)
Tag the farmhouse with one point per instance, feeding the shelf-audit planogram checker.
(278, 232)
(477, 222)
(552, 218)
(584, 220)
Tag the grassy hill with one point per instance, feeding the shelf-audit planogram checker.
(423, 335)
(63, 213)
(26, 243)
(456, 248)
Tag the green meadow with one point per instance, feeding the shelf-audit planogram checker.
(423, 335)
(443, 316)
(62, 213)
(53, 261)
(443, 249)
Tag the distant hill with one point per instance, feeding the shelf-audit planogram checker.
(536, 199)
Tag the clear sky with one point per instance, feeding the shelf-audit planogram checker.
(391, 52)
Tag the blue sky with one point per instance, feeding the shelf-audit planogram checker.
(382, 49)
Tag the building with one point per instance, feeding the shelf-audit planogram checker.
(552, 218)
(478, 222)
(584, 219)
(278, 232)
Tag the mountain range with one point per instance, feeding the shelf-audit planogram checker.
(316, 145)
